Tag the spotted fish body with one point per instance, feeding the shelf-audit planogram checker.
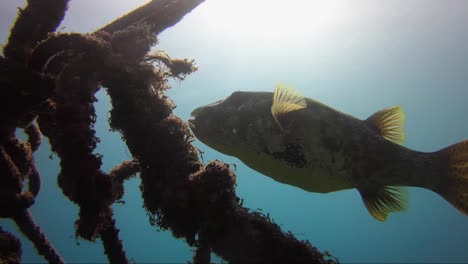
(304, 143)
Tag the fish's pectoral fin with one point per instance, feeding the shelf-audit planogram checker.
(389, 123)
(383, 200)
(286, 99)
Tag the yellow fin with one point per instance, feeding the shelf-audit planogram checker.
(389, 123)
(286, 99)
(384, 200)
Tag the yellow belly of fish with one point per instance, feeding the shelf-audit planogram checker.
(320, 180)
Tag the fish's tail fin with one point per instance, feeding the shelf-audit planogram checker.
(454, 186)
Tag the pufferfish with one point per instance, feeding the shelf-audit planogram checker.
(304, 143)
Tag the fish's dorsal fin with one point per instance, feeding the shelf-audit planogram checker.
(389, 123)
(384, 200)
(286, 99)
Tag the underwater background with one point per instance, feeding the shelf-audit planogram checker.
(355, 56)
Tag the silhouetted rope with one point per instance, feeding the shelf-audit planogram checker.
(39, 18)
(196, 202)
(158, 15)
(10, 248)
(113, 245)
(16, 165)
(203, 253)
(32, 231)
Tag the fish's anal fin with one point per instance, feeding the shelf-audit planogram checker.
(389, 123)
(383, 200)
(286, 99)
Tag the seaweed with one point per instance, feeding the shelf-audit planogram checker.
(48, 82)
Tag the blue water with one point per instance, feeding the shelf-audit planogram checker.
(357, 58)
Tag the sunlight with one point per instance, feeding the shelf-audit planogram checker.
(274, 20)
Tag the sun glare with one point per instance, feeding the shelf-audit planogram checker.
(276, 20)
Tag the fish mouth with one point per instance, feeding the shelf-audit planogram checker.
(200, 111)
(191, 121)
(195, 112)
